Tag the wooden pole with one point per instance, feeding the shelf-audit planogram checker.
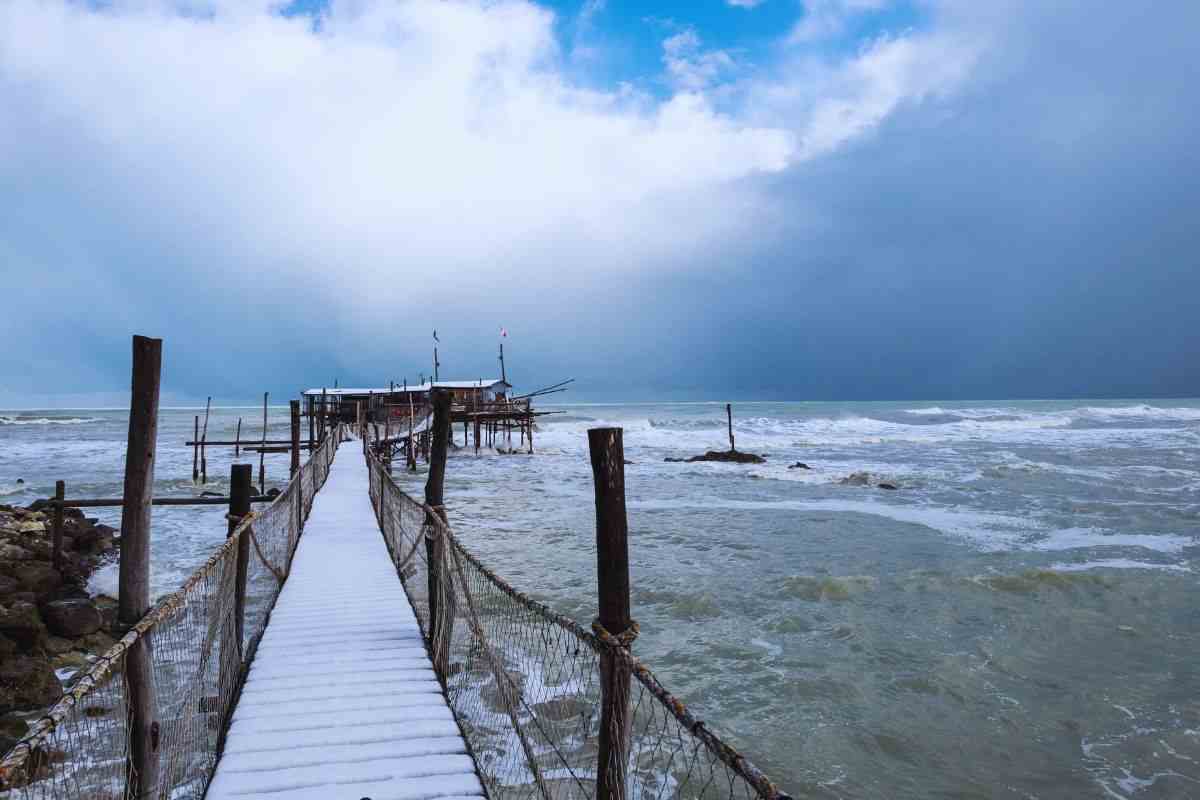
(729, 416)
(441, 603)
(262, 456)
(237, 439)
(295, 408)
(411, 451)
(203, 440)
(612, 577)
(60, 493)
(324, 411)
(312, 422)
(241, 485)
(133, 602)
(196, 451)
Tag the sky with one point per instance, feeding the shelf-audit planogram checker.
(714, 199)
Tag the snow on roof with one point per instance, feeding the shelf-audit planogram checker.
(487, 383)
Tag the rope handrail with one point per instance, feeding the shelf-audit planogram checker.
(598, 641)
(196, 620)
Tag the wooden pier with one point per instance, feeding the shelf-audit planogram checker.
(342, 642)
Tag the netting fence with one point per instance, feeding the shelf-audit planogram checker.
(524, 682)
(80, 747)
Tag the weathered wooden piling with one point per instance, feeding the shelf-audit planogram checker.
(262, 455)
(612, 578)
(294, 406)
(142, 766)
(203, 441)
(196, 450)
(441, 602)
(241, 483)
(729, 418)
(60, 494)
(237, 439)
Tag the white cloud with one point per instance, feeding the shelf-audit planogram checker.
(745, 3)
(402, 150)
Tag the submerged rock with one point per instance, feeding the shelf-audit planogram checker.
(890, 486)
(71, 618)
(799, 465)
(856, 479)
(727, 456)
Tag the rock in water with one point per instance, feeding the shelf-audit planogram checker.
(71, 618)
(856, 479)
(799, 465)
(891, 486)
(728, 456)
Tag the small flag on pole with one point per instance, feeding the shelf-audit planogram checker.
(503, 332)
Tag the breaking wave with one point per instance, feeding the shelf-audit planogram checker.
(29, 419)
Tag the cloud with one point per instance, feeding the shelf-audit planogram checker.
(745, 3)
(311, 195)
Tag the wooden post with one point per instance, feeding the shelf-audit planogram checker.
(262, 454)
(60, 492)
(729, 416)
(411, 451)
(324, 410)
(241, 483)
(237, 439)
(196, 451)
(141, 772)
(203, 440)
(295, 408)
(312, 422)
(441, 617)
(612, 577)
(477, 433)
(530, 424)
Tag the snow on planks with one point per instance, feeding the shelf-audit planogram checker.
(341, 700)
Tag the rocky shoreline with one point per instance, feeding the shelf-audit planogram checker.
(51, 629)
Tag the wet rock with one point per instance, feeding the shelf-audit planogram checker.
(889, 486)
(27, 682)
(7, 647)
(799, 465)
(107, 606)
(856, 479)
(98, 642)
(8, 586)
(12, 552)
(21, 624)
(37, 577)
(12, 730)
(71, 618)
(726, 456)
(57, 645)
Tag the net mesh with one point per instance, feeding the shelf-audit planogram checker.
(80, 748)
(525, 683)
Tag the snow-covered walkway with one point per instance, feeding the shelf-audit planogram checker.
(341, 702)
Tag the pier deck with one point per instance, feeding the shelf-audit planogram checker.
(341, 699)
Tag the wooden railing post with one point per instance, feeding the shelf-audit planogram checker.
(295, 408)
(141, 772)
(60, 493)
(196, 450)
(612, 576)
(241, 485)
(441, 604)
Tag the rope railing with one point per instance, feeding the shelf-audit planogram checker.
(80, 747)
(524, 681)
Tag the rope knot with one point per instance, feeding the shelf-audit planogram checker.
(623, 639)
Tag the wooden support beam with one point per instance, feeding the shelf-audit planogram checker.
(196, 451)
(729, 417)
(60, 493)
(441, 600)
(241, 482)
(295, 409)
(142, 765)
(612, 578)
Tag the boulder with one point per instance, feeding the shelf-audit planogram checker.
(8, 585)
(890, 486)
(799, 465)
(727, 456)
(12, 552)
(856, 479)
(21, 623)
(12, 730)
(71, 619)
(26, 683)
(36, 577)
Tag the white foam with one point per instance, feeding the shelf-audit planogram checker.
(1115, 563)
(19, 419)
(1083, 538)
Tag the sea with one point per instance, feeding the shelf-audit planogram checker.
(1017, 618)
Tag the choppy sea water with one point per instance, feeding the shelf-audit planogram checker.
(1019, 619)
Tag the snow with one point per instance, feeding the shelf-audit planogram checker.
(341, 699)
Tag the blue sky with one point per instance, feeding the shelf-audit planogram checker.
(803, 199)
